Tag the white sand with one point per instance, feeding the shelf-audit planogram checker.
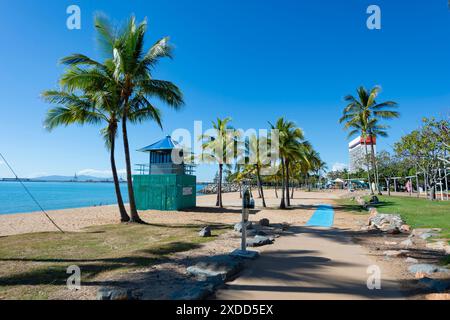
(76, 219)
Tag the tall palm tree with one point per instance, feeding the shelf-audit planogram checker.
(132, 73)
(88, 108)
(290, 149)
(254, 152)
(220, 148)
(362, 115)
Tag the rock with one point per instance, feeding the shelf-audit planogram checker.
(395, 253)
(389, 223)
(438, 245)
(238, 226)
(438, 296)
(407, 243)
(104, 294)
(411, 260)
(426, 268)
(115, 294)
(374, 200)
(198, 291)
(205, 232)
(259, 241)
(390, 243)
(426, 235)
(434, 285)
(447, 249)
(251, 233)
(405, 228)
(264, 222)
(223, 267)
(122, 295)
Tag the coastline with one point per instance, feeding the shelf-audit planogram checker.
(75, 220)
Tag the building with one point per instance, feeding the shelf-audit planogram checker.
(163, 184)
(357, 152)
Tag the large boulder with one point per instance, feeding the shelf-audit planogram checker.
(389, 223)
(259, 241)
(205, 232)
(223, 267)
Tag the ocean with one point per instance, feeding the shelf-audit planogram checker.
(57, 195)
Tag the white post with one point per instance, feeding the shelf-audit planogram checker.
(446, 183)
(440, 184)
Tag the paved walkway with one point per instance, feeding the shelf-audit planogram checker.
(310, 263)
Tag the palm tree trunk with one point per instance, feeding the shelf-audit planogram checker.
(133, 211)
(283, 189)
(276, 189)
(261, 191)
(123, 212)
(288, 199)
(219, 188)
(368, 168)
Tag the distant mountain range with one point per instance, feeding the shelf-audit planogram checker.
(67, 178)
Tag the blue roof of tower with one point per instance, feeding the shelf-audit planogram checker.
(165, 144)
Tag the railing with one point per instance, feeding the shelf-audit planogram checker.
(165, 168)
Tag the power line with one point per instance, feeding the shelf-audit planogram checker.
(29, 193)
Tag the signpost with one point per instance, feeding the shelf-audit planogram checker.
(247, 204)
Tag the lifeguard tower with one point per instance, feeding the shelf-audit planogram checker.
(163, 184)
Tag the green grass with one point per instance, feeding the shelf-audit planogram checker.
(418, 213)
(33, 266)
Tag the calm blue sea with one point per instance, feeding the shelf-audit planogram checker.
(57, 195)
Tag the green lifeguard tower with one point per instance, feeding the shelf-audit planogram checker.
(163, 184)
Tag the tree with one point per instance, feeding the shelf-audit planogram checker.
(362, 115)
(220, 148)
(254, 152)
(89, 108)
(426, 148)
(132, 68)
(290, 149)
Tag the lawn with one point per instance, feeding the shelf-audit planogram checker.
(419, 213)
(33, 266)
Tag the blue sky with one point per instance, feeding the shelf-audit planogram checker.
(251, 60)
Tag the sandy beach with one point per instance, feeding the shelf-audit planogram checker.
(73, 220)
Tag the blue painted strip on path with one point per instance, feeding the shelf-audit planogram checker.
(322, 217)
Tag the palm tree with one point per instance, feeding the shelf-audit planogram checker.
(362, 115)
(132, 68)
(290, 149)
(254, 152)
(219, 148)
(88, 109)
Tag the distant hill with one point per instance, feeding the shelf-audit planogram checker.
(67, 178)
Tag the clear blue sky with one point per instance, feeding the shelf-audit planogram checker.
(251, 60)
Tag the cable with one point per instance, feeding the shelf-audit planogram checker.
(29, 193)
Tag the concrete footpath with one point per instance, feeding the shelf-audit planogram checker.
(310, 263)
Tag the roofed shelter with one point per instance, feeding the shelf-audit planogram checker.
(165, 184)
